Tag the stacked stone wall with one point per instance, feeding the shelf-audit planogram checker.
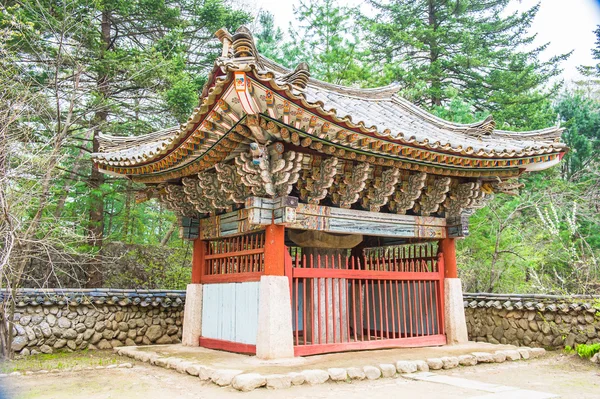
(53, 320)
(551, 322)
(47, 321)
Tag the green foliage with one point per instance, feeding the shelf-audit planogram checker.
(83, 68)
(60, 361)
(458, 110)
(325, 36)
(269, 38)
(580, 114)
(435, 49)
(587, 351)
(148, 267)
(545, 240)
(568, 350)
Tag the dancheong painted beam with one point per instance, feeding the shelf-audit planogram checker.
(260, 212)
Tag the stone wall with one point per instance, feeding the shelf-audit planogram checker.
(545, 321)
(53, 320)
(67, 320)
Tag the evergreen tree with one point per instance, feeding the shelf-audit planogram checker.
(269, 38)
(436, 48)
(581, 117)
(142, 64)
(328, 39)
(580, 112)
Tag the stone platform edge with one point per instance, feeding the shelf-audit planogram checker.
(248, 381)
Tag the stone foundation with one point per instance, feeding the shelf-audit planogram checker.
(454, 316)
(539, 321)
(210, 368)
(46, 321)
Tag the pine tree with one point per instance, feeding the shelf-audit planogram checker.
(328, 39)
(440, 49)
(580, 113)
(269, 38)
(142, 64)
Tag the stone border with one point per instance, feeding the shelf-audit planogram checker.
(248, 381)
(67, 370)
(93, 296)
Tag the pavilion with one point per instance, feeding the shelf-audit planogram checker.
(323, 217)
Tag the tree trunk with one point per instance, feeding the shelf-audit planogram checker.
(167, 236)
(96, 213)
(70, 182)
(127, 214)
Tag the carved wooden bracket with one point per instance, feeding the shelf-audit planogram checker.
(269, 171)
(383, 188)
(174, 198)
(434, 196)
(460, 197)
(319, 181)
(408, 192)
(351, 185)
(231, 182)
(195, 196)
(211, 188)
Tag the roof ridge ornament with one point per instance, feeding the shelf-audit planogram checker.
(298, 77)
(484, 128)
(243, 43)
(225, 38)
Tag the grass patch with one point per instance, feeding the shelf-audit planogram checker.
(61, 361)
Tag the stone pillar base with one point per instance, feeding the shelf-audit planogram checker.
(454, 314)
(274, 338)
(192, 316)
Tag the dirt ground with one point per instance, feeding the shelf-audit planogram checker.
(565, 376)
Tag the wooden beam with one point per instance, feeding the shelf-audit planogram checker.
(228, 225)
(231, 278)
(428, 340)
(228, 346)
(350, 221)
(286, 211)
(449, 251)
(362, 274)
(198, 253)
(275, 250)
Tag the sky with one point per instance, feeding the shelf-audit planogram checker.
(565, 24)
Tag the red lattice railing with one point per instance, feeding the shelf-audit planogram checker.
(389, 297)
(235, 259)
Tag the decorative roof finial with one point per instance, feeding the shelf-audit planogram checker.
(299, 77)
(243, 43)
(225, 37)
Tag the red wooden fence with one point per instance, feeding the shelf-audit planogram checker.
(235, 259)
(390, 297)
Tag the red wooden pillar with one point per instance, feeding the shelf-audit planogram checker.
(448, 248)
(198, 260)
(275, 250)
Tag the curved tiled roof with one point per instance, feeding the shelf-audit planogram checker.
(378, 112)
(396, 118)
(131, 150)
(383, 111)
